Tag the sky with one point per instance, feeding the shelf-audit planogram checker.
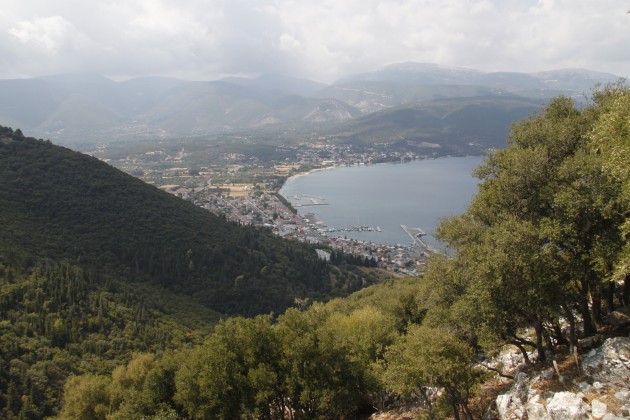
(322, 40)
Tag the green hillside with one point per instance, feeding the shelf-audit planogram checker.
(539, 261)
(61, 205)
(96, 265)
(457, 125)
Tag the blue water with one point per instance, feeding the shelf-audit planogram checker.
(417, 194)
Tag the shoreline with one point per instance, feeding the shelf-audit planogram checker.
(391, 238)
(338, 165)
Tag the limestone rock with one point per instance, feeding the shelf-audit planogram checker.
(503, 404)
(622, 396)
(567, 406)
(598, 409)
(535, 409)
(511, 404)
(611, 416)
(610, 363)
(520, 387)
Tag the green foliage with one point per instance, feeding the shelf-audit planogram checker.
(322, 362)
(85, 397)
(426, 357)
(611, 137)
(59, 204)
(61, 320)
(542, 236)
(235, 374)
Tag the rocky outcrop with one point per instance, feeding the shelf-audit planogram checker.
(567, 406)
(610, 363)
(602, 391)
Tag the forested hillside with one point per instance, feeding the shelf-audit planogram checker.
(61, 205)
(95, 265)
(537, 261)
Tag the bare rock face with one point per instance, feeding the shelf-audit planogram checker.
(511, 405)
(610, 362)
(567, 406)
(605, 368)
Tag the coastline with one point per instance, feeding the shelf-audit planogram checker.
(300, 174)
(438, 197)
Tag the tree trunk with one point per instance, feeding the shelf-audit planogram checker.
(596, 297)
(523, 351)
(610, 297)
(540, 346)
(626, 290)
(589, 328)
(557, 332)
(455, 410)
(569, 315)
(547, 337)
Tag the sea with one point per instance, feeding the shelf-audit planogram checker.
(377, 199)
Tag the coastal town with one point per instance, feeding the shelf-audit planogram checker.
(270, 210)
(245, 190)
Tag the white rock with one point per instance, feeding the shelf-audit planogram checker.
(567, 406)
(598, 409)
(535, 409)
(519, 414)
(584, 387)
(622, 396)
(611, 363)
(520, 387)
(503, 403)
(611, 416)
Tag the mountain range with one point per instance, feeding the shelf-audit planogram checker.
(82, 108)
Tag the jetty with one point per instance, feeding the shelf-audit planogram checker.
(415, 234)
(361, 228)
(312, 201)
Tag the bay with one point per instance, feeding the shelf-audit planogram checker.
(416, 194)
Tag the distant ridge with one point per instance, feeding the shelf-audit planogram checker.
(81, 108)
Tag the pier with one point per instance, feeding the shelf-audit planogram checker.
(312, 201)
(362, 228)
(415, 234)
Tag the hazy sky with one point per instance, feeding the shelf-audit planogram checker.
(317, 39)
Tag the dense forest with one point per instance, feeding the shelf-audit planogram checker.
(539, 259)
(95, 264)
(61, 205)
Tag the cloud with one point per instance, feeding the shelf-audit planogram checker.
(322, 40)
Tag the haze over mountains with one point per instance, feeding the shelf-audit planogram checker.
(409, 100)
